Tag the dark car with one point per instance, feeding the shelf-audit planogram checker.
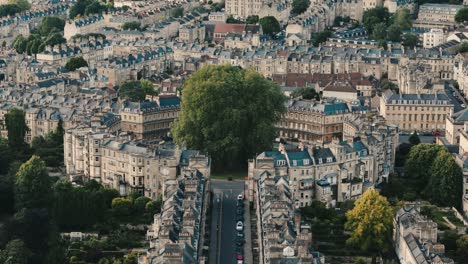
(240, 204)
(239, 241)
(240, 234)
(240, 211)
(239, 218)
(239, 250)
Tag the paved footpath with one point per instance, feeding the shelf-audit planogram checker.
(248, 257)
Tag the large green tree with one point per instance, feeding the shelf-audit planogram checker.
(420, 160)
(22, 4)
(370, 222)
(402, 19)
(446, 182)
(306, 93)
(137, 90)
(32, 185)
(75, 63)
(379, 31)
(410, 40)
(299, 6)
(462, 15)
(229, 113)
(374, 16)
(15, 122)
(15, 252)
(51, 24)
(270, 25)
(321, 37)
(462, 247)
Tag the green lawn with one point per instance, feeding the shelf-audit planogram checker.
(239, 175)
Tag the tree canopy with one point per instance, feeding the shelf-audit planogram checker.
(270, 25)
(252, 20)
(32, 186)
(414, 139)
(229, 113)
(15, 122)
(374, 16)
(462, 15)
(137, 90)
(51, 24)
(306, 93)
(132, 25)
(86, 7)
(321, 37)
(75, 63)
(177, 12)
(15, 252)
(410, 40)
(437, 176)
(299, 6)
(370, 222)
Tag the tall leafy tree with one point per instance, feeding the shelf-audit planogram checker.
(15, 252)
(75, 63)
(270, 25)
(446, 183)
(462, 15)
(16, 126)
(410, 40)
(414, 139)
(370, 222)
(229, 113)
(306, 93)
(299, 6)
(420, 160)
(51, 24)
(379, 31)
(32, 185)
(462, 247)
(402, 19)
(374, 16)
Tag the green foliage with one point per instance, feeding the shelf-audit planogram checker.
(370, 222)
(229, 113)
(462, 15)
(51, 24)
(22, 4)
(82, 207)
(9, 10)
(140, 204)
(153, 207)
(374, 16)
(50, 148)
(122, 206)
(270, 25)
(410, 40)
(401, 154)
(420, 160)
(299, 6)
(177, 12)
(462, 247)
(75, 63)
(32, 185)
(385, 84)
(252, 20)
(394, 33)
(339, 20)
(131, 258)
(50, 32)
(402, 19)
(232, 20)
(15, 122)
(414, 139)
(216, 7)
(321, 37)
(463, 47)
(137, 90)
(306, 93)
(445, 185)
(379, 31)
(15, 252)
(132, 25)
(86, 7)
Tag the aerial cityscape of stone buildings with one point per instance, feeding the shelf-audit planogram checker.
(343, 141)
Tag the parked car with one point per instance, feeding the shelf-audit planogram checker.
(240, 261)
(240, 197)
(239, 226)
(239, 241)
(240, 203)
(463, 105)
(240, 250)
(240, 234)
(240, 211)
(239, 257)
(239, 218)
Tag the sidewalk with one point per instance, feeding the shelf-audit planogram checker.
(248, 257)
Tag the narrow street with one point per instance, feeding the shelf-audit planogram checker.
(223, 219)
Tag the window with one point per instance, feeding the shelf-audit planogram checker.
(306, 162)
(96, 150)
(96, 158)
(320, 160)
(329, 159)
(134, 169)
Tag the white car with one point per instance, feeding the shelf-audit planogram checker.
(240, 197)
(463, 105)
(240, 262)
(239, 226)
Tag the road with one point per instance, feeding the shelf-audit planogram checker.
(424, 139)
(223, 227)
(449, 89)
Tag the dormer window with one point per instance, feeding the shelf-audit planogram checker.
(306, 162)
(329, 159)
(294, 162)
(320, 160)
(280, 162)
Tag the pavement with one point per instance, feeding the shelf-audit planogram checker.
(248, 257)
(223, 227)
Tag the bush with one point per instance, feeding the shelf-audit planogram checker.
(140, 204)
(122, 206)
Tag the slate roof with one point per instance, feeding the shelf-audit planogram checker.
(461, 116)
(299, 158)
